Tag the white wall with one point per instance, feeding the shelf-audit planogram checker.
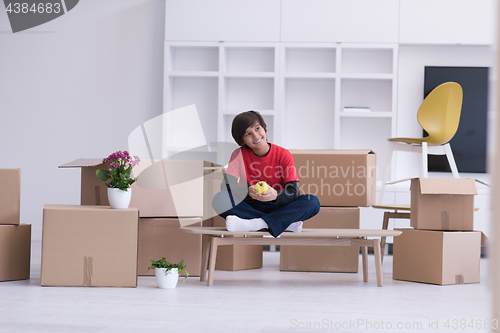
(76, 87)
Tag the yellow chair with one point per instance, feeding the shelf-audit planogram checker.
(439, 116)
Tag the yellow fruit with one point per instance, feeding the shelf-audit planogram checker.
(261, 187)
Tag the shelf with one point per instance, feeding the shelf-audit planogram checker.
(249, 93)
(192, 74)
(194, 58)
(367, 60)
(310, 115)
(310, 75)
(368, 114)
(311, 60)
(250, 59)
(375, 94)
(248, 75)
(366, 76)
(229, 112)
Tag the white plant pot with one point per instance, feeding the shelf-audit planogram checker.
(118, 198)
(167, 281)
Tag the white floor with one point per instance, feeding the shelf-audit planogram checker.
(260, 300)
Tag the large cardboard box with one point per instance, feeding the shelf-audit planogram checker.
(324, 258)
(438, 257)
(89, 246)
(10, 196)
(161, 237)
(15, 251)
(236, 257)
(442, 203)
(167, 188)
(337, 177)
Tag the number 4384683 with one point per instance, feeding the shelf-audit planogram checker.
(471, 324)
(41, 7)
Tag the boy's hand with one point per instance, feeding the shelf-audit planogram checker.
(269, 195)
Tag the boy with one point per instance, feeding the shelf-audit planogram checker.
(278, 209)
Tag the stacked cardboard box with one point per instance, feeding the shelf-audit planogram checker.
(168, 194)
(15, 238)
(442, 248)
(343, 181)
(89, 246)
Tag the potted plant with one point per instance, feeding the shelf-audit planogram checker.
(167, 274)
(116, 174)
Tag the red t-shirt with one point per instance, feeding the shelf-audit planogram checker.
(276, 168)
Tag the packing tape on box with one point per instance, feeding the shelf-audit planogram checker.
(459, 279)
(88, 271)
(445, 220)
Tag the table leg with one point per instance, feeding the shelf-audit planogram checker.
(364, 256)
(204, 258)
(213, 256)
(385, 225)
(378, 261)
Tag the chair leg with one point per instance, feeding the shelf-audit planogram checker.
(451, 160)
(387, 171)
(425, 166)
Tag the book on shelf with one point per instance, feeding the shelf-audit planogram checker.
(356, 109)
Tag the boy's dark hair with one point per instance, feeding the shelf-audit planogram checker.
(243, 121)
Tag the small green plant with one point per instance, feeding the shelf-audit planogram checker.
(163, 263)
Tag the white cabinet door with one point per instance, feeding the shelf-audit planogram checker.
(222, 20)
(357, 21)
(447, 22)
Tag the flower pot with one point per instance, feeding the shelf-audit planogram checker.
(118, 198)
(168, 280)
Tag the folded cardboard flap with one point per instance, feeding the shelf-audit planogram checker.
(82, 162)
(10, 196)
(447, 186)
(484, 239)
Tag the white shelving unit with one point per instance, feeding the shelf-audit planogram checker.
(223, 79)
(320, 79)
(301, 90)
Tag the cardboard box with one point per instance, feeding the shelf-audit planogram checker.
(324, 258)
(15, 251)
(236, 257)
(442, 203)
(342, 178)
(438, 257)
(161, 237)
(10, 196)
(167, 188)
(89, 246)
